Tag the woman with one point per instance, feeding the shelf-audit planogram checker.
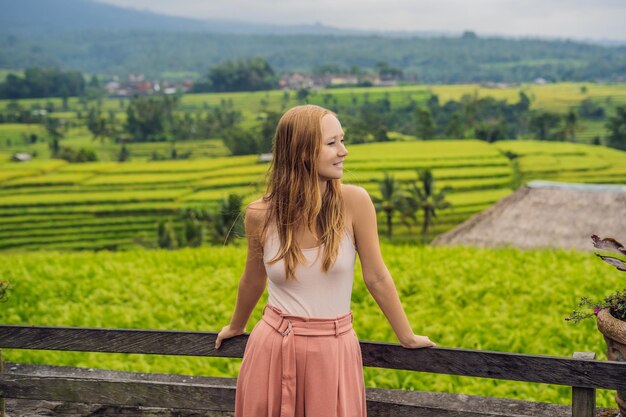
(303, 357)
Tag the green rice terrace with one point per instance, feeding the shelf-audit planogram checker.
(52, 204)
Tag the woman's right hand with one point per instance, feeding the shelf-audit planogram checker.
(417, 342)
(226, 333)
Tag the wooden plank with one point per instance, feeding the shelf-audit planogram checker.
(584, 399)
(485, 364)
(120, 392)
(119, 388)
(2, 401)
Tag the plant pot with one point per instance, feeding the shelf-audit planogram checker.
(614, 332)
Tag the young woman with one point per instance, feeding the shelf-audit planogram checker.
(303, 357)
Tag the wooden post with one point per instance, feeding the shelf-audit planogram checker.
(584, 399)
(2, 405)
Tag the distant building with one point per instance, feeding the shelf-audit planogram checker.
(344, 80)
(21, 157)
(296, 81)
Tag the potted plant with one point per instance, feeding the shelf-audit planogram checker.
(610, 312)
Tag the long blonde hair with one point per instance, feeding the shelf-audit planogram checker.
(293, 190)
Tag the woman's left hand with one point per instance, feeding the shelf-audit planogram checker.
(226, 333)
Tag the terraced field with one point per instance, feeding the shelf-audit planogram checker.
(51, 204)
(553, 97)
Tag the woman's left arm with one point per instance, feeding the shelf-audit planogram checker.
(375, 273)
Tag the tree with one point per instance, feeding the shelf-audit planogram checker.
(490, 129)
(242, 75)
(571, 125)
(545, 125)
(589, 109)
(617, 129)
(455, 128)
(124, 154)
(99, 125)
(240, 141)
(53, 127)
(267, 131)
(72, 155)
(390, 200)
(425, 125)
(193, 230)
(427, 199)
(150, 118)
(228, 220)
(302, 95)
(166, 235)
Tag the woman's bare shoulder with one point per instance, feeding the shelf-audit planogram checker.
(256, 212)
(354, 195)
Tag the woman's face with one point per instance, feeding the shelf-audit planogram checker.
(333, 152)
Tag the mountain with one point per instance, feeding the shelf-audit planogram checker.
(99, 38)
(48, 17)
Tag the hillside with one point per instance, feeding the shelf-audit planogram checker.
(50, 204)
(103, 39)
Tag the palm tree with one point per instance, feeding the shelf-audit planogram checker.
(390, 201)
(571, 125)
(228, 220)
(424, 196)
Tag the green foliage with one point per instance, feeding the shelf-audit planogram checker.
(478, 173)
(504, 300)
(616, 302)
(150, 118)
(124, 154)
(46, 82)
(589, 109)
(617, 129)
(240, 141)
(166, 235)
(390, 200)
(251, 74)
(99, 125)
(546, 125)
(228, 221)
(72, 155)
(430, 60)
(425, 198)
(5, 287)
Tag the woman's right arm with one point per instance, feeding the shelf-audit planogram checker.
(254, 278)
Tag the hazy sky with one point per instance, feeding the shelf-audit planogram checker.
(596, 19)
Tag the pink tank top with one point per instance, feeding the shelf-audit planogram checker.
(314, 293)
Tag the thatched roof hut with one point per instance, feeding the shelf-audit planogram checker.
(546, 214)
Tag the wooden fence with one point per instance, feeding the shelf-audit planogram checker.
(581, 372)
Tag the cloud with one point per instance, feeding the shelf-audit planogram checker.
(556, 18)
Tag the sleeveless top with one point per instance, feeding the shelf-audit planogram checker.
(313, 293)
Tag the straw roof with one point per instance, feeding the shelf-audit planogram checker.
(546, 214)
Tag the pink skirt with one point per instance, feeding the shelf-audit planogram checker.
(296, 366)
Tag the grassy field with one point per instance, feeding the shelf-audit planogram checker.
(553, 97)
(500, 300)
(97, 196)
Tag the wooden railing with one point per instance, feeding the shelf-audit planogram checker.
(581, 372)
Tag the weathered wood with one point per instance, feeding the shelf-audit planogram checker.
(584, 399)
(485, 364)
(38, 408)
(89, 385)
(2, 402)
(87, 339)
(129, 386)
